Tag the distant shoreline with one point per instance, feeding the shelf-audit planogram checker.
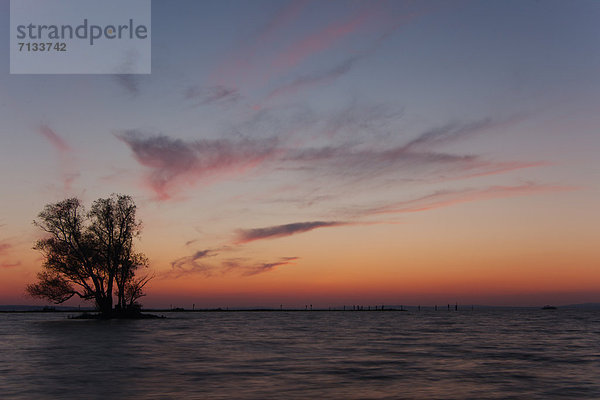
(204, 310)
(10, 309)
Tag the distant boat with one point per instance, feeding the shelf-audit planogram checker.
(548, 307)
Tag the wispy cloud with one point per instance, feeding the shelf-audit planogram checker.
(456, 131)
(193, 258)
(172, 162)
(190, 242)
(320, 41)
(200, 264)
(446, 198)
(314, 79)
(448, 134)
(54, 139)
(271, 232)
(438, 199)
(129, 82)
(283, 18)
(9, 265)
(487, 168)
(5, 252)
(279, 58)
(363, 120)
(336, 32)
(351, 165)
(419, 159)
(192, 264)
(352, 158)
(4, 247)
(201, 96)
(255, 269)
(326, 76)
(239, 63)
(65, 153)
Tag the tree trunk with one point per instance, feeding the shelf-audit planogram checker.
(122, 296)
(104, 304)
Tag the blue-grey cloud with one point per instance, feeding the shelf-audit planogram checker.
(448, 133)
(446, 198)
(314, 79)
(200, 263)
(247, 269)
(271, 232)
(129, 82)
(175, 161)
(368, 121)
(219, 94)
(193, 264)
(418, 159)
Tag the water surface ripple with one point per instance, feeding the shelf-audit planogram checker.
(498, 354)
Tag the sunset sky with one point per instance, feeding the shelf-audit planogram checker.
(329, 153)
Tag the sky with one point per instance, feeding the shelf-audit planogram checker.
(328, 153)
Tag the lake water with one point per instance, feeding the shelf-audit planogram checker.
(524, 354)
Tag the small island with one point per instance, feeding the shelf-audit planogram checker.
(91, 255)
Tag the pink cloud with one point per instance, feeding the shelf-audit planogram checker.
(173, 162)
(320, 41)
(495, 168)
(339, 30)
(55, 140)
(240, 63)
(4, 247)
(327, 76)
(66, 156)
(10, 265)
(5, 250)
(317, 79)
(448, 198)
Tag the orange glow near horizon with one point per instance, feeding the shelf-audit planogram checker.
(390, 264)
(316, 154)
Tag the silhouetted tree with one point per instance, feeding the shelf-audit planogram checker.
(90, 255)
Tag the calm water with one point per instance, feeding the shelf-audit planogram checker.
(530, 354)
